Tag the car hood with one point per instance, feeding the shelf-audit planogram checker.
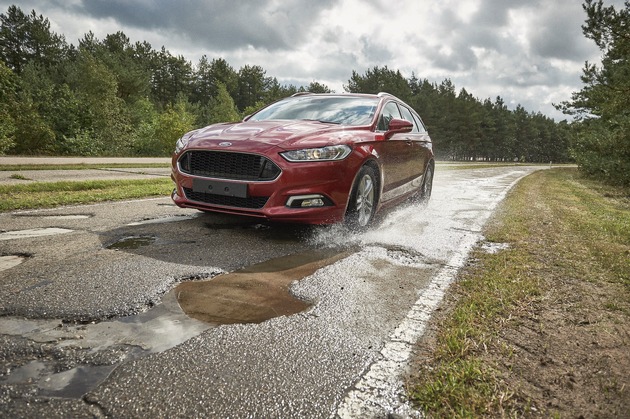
(262, 135)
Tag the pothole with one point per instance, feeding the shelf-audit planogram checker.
(248, 225)
(406, 256)
(11, 261)
(95, 349)
(276, 232)
(131, 242)
(254, 294)
(164, 220)
(250, 295)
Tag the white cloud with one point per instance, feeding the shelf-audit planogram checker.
(526, 51)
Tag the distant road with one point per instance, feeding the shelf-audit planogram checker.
(8, 160)
(26, 176)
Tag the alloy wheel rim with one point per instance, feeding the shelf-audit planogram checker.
(365, 199)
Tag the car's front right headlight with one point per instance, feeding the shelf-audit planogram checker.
(183, 141)
(328, 153)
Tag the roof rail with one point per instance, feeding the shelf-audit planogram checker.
(301, 94)
(384, 94)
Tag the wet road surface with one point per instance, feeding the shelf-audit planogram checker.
(102, 315)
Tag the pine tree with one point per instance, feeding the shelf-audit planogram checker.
(601, 142)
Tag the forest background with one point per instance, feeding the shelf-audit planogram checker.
(114, 97)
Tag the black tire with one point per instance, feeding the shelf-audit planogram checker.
(363, 199)
(427, 186)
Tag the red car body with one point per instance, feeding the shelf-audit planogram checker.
(295, 169)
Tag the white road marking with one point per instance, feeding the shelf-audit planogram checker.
(8, 262)
(381, 388)
(33, 232)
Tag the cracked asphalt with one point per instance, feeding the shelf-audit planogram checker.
(88, 329)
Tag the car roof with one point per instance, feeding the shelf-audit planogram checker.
(380, 94)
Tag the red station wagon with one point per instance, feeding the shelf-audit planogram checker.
(308, 158)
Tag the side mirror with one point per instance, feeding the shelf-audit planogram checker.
(398, 126)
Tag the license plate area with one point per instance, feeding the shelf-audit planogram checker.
(218, 187)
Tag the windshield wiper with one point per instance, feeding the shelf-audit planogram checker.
(322, 121)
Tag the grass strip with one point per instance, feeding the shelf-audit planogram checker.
(53, 194)
(565, 234)
(81, 166)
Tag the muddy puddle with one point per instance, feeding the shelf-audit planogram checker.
(254, 294)
(131, 242)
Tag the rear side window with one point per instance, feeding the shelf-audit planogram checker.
(421, 126)
(406, 114)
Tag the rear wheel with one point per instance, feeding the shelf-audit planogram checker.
(363, 199)
(427, 185)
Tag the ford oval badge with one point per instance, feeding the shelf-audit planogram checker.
(225, 144)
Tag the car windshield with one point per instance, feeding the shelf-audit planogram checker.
(350, 110)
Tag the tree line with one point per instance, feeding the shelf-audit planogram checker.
(464, 128)
(118, 98)
(600, 140)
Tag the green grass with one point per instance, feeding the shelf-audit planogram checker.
(18, 176)
(53, 194)
(558, 226)
(20, 167)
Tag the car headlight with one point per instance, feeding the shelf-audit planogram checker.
(183, 142)
(332, 152)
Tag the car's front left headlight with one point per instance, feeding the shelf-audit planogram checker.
(328, 153)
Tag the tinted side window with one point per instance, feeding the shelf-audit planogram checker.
(390, 111)
(406, 113)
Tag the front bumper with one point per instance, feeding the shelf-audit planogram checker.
(279, 199)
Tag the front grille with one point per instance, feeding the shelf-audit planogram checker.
(228, 165)
(252, 202)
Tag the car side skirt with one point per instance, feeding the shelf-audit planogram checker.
(403, 190)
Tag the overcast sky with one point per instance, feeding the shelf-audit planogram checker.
(528, 52)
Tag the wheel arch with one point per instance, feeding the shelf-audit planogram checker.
(379, 178)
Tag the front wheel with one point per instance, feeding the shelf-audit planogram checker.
(363, 199)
